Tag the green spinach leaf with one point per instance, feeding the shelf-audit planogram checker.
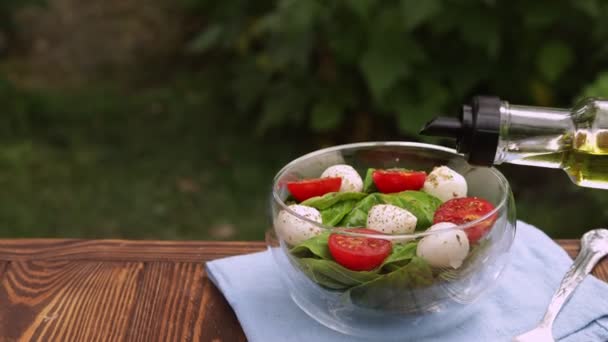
(358, 216)
(368, 183)
(327, 200)
(334, 214)
(400, 256)
(315, 247)
(393, 291)
(420, 204)
(330, 274)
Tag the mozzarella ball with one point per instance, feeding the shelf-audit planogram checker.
(444, 249)
(351, 181)
(294, 230)
(445, 184)
(391, 219)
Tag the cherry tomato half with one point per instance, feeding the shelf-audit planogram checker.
(389, 181)
(467, 209)
(359, 253)
(307, 188)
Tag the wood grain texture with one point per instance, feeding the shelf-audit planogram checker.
(122, 250)
(115, 290)
(62, 300)
(3, 266)
(186, 306)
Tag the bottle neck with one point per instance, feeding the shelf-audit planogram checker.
(527, 133)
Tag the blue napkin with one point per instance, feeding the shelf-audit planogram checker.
(266, 312)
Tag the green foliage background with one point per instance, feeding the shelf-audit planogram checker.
(320, 63)
(188, 148)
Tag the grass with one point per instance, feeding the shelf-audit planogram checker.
(148, 165)
(166, 163)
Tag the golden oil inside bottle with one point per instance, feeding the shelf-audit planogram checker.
(586, 163)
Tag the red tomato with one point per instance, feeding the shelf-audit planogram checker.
(467, 209)
(359, 253)
(389, 181)
(307, 188)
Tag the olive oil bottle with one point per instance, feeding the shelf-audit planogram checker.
(491, 132)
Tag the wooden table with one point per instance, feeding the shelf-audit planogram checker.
(63, 290)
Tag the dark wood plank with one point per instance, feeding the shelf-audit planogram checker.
(3, 266)
(122, 250)
(123, 290)
(62, 300)
(216, 320)
(572, 247)
(177, 302)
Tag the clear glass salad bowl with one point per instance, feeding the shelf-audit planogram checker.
(400, 302)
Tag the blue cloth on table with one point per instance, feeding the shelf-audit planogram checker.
(252, 286)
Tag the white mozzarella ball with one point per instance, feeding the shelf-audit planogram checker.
(351, 181)
(445, 184)
(391, 219)
(293, 229)
(444, 249)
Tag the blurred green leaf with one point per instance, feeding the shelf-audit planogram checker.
(414, 107)
(248, 86)
(553, 59)
(361, 7)
(387, 60)
(325, 115)
(480, 30)
(287, 105)
(416, 12)
(382, 71)
(537, 15)
(206, 39)
(598, 88)
(589, 7)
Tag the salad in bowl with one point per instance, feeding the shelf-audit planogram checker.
(373, 237)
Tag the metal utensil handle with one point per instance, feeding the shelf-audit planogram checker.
(583, 264)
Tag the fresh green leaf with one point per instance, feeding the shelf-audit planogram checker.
(553, 59)
(358, 216)
(330, 274)
(314, 247)
(368, 184)
(329, 199)
(394, 291)
(400, 256)
(334, 205)
(326, 115)
(420, 204)
(334, 214)
(416, 12)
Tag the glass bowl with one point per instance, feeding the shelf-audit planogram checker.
(395, 302)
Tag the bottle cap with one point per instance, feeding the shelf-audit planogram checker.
(477, 130)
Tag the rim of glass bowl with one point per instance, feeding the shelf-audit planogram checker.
(501, 179)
